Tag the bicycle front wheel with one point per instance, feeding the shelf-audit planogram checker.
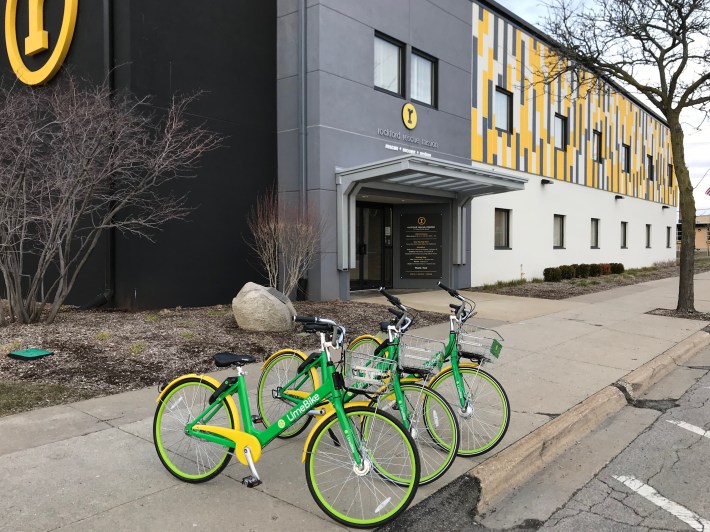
(365, 344)
(432, 424)
(190, 458)
(365, 495)
(270, 400)
(485, 416)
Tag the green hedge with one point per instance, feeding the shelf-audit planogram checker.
(567, 272)
(570, 271)
(551, 275)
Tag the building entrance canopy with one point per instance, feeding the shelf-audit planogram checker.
(412, 174)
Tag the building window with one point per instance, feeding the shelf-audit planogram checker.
(389, 65)
(625, 158)
(560, 132)
(502, 229)
(649, 167)
(668, 236)
(423, 80)
(504, 110)
(597, 146)
(670, 175)
(648, 235)
(624, 232)
(558, 236)
(594, 244)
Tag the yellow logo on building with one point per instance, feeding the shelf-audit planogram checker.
(409, 116)
(37, 40)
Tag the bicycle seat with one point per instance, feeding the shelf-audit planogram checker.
(222, 360)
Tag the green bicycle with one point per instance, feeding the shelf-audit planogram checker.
(289, 375)
(362, 467)
(480, 402)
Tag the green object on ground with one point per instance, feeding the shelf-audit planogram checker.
(496, 346)
(29, 354)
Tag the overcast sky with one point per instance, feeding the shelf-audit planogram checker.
(697, 142)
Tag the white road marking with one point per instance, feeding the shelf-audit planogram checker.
(681, 512)
(691, 428)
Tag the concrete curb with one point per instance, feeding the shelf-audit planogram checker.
(513, 466)
(641, 379)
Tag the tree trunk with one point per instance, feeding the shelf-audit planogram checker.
(686, 292)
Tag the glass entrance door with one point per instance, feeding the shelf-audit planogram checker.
(373, 247)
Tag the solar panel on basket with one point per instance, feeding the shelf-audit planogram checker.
(418, 353)
(479, 341)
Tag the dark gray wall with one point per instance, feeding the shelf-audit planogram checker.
(226, 48)
(344, 109)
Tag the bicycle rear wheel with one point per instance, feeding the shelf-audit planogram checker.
(189, 458)
(278, 372)
(432, 425)
(362, 496)
(485, 417)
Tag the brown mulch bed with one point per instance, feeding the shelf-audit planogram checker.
(101, 352)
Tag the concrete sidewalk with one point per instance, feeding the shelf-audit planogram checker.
(92, 466)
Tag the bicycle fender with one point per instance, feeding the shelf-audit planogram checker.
(329, 411)
(365, 337)
(448, 369)
(206, 378)
(314, 373)
(241, 441)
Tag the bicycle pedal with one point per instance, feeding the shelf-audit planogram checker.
(251, 481)
(256, 419)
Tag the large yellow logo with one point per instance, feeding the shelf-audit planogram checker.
(409, 116)
(38, 40)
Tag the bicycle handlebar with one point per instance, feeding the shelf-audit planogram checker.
(314, 320)
(392, 299)
(451, 291)
(396, 312)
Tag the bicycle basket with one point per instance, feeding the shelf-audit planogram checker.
(479, 341)
(365, 373)
(418, 354)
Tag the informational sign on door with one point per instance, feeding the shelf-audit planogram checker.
(420, 254)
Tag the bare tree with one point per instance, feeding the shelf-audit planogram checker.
(76, 160)
(658, 48)
(264, 239)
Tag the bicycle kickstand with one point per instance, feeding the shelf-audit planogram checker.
(253, 480)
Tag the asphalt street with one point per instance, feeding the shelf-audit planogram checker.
(659, 482)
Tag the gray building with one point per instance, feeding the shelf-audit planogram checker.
(374, 135)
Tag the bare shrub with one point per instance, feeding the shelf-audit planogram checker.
(264, 239)
(284, 241)
(300, 235)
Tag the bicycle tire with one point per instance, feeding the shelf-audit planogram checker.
(486, 419)
(432, 425)
(278, 371)
(189, 458)
(362, 497)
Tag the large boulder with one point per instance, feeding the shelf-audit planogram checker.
(258, 308)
